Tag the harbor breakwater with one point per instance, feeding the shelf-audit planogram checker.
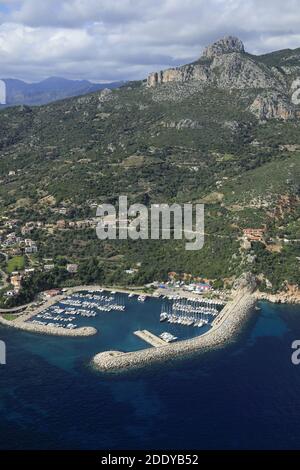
(231, 322)
(48, 330)
(22, 323)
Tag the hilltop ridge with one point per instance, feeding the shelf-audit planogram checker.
(226, 65)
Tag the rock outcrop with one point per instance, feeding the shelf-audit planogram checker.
(225, 65)
(272, 106)
(224, 46)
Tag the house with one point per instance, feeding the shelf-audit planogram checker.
(202, 287)
(254, 234)
(31, 249)
(172, 275)
(29, 270)
(51, 293)
(131, 271)
(29, 242)
(26, 229)
(48, 267)
(61, 224)
(72, 268)
(16, 282)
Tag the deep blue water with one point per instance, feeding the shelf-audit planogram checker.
(243, 397)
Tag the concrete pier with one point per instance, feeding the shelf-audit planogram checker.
(150, 338)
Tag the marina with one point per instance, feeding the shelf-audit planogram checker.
(93, 311)
(161, 322)
(190, 312)
(85, 305)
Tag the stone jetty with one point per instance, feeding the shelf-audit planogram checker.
(231, 321)
(150, 338)
(22, 322)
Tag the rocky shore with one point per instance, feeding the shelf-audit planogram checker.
(289, 297)
(230, 322)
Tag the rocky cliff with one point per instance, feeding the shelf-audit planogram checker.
(226, 65)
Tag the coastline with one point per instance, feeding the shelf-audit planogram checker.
(234, 317)
(20, 323)
(280, 298)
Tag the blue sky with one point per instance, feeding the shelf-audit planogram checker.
(104, 40)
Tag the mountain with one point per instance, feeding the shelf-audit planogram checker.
(46, 91)
(216, 131)
(226, 65)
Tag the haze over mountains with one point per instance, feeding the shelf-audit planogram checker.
(17, 92)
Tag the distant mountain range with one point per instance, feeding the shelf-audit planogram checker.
(16, 92)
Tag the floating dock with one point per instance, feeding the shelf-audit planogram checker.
(150, 338)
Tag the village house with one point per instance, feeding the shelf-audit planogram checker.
(254, 234)
(61, 224)
(131, 271)
(31, 249)
(29, 271)
(48, 267)
(16, 282)
(11, 224)
(172, 275)
(51, 293)
(11, 239)
(26, 229)
(29, 242)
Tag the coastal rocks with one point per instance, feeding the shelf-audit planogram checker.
(272, 105)
(290, 296)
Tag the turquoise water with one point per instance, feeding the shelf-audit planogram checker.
(247, 396)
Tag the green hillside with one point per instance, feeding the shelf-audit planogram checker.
(171, 143)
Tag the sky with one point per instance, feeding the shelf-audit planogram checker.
(108, 40)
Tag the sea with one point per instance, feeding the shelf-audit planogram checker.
(244, 396)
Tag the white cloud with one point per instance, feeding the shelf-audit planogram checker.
(125, 39)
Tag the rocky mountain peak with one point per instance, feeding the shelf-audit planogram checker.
(225, 45)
